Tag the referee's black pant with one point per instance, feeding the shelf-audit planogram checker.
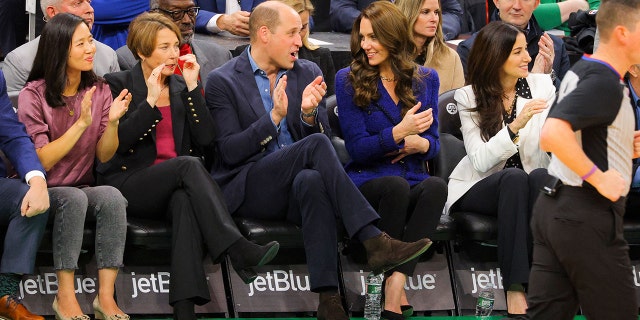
(580, 258)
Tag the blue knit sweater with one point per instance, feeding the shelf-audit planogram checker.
(368, 132)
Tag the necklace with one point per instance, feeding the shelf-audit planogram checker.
(70, 107)
(387, 79)
(513, 104)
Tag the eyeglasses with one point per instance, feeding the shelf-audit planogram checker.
(177, 15)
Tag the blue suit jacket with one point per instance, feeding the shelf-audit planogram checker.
(209, 8)
(343, 13)
(14, 141)
(242, 126)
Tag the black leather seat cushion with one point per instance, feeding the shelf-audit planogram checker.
(476, 226)
(632, 230)
(148, 234)
(262, 231)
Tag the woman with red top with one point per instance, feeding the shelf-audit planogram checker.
(73, 120)
(158, 166)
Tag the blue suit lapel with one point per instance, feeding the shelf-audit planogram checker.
(247, 84)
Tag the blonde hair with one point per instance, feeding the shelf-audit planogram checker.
(434, 47)
(301, 6)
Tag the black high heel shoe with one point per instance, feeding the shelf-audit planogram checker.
(247, 275)
(248, 255)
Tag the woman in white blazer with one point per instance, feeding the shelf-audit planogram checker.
(501, 113)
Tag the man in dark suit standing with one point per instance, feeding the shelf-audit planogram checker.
(23, 207)
(183, 13)
(275, 160)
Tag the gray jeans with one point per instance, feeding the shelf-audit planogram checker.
(103, 204)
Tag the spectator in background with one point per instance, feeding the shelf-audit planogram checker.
(162, 138)
(222, 15)
(72, 119)
(548, 53)
(344, 12)
(388, 115)
(112, 19)
(13, 23)
(18, 63)
(425, 28)
(554, 14)
(183, 13)
(286, 167)
(501, 113)
(23, 209)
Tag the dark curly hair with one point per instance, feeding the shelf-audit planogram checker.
(390, 27)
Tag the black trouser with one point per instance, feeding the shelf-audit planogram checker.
(407, 212)
(305, 183)
(510, 193)
(580, 257)
(183, 189)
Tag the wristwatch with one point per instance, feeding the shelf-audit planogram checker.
(311, 114)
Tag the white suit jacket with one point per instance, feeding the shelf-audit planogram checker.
(485, 158)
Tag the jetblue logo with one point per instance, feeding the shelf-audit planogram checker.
(155, 283)
(486, 280)
(47, 283)
(425, 281)
(278, 281)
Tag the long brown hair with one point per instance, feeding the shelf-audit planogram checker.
(390, 28)
(489, 52)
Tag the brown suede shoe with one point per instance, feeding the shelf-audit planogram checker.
(330, 307)
(385, 253)
(12, 308)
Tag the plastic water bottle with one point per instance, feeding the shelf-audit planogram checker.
(484, 305)
(372, 307)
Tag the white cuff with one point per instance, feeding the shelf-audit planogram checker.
(33, 173)
(212, 25)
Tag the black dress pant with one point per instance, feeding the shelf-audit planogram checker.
(183, 189)
(406, 212)
(580, 258)
(510, 193)
(306, 184)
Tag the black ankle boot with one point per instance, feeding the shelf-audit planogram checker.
(385, 253)
(184, 310)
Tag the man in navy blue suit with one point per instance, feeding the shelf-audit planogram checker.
(223, 15)
(23, 207)
(275, 160)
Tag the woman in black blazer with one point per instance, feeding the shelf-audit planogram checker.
(158, 165)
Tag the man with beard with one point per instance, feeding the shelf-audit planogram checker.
(183, 13)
